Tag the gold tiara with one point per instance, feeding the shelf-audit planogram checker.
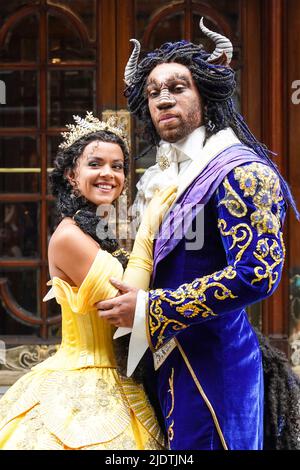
(89, 125)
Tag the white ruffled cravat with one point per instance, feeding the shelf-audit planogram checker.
(164, 173)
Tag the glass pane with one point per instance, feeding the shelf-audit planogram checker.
(230, 9)
(146, 11)
(9, 8)
(64, 43)
(53, 143)
(21, 43)
(170, 29)
(11, 326)
(53, 308)
(19, 234)
(70, 92)
(294, 326)
(86, 10)
(141, 145)
(53, 219)
(55, 330)
(21, 109)
(23, 284)
(19, 165)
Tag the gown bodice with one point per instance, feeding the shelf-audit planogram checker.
(86, 338)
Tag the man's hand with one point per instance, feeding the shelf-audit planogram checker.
(120, 310)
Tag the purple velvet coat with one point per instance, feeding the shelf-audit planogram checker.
(210, 385)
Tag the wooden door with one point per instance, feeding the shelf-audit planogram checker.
(57, 58)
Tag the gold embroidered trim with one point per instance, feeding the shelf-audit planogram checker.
(262, 251)
(194, 291)
(203, 395)
(171, 390)
(148, 326)
(239, 233)
(171, 432)
(262, 183)
(232, 201)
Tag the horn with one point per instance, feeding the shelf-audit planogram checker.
(131, 66)
(223, 45)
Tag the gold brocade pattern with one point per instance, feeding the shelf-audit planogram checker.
(171, 391)
(189, 300)
(232, 201)
(262, 184)
(266, 249)
(241, 237)
(76, 399)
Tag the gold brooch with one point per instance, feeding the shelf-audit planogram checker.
(163, 162)
(121, 251)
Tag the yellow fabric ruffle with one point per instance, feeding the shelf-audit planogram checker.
(76, 399)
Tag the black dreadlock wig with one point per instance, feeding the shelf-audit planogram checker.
(84, 214)
(216, 85)
(282, 399)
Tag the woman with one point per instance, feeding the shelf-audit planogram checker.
(77, 399)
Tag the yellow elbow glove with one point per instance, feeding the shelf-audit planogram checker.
(140, 265)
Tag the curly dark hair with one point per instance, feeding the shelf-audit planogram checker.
(216, 85)
(282, 399)
(78, 207)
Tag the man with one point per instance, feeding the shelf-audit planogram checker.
(207, 356)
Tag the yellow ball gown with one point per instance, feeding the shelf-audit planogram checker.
(76, 399)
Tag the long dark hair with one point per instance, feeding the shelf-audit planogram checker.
(70, 204)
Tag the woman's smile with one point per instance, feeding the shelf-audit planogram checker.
(99, 175)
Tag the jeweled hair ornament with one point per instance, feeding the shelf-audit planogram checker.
(89, 125)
